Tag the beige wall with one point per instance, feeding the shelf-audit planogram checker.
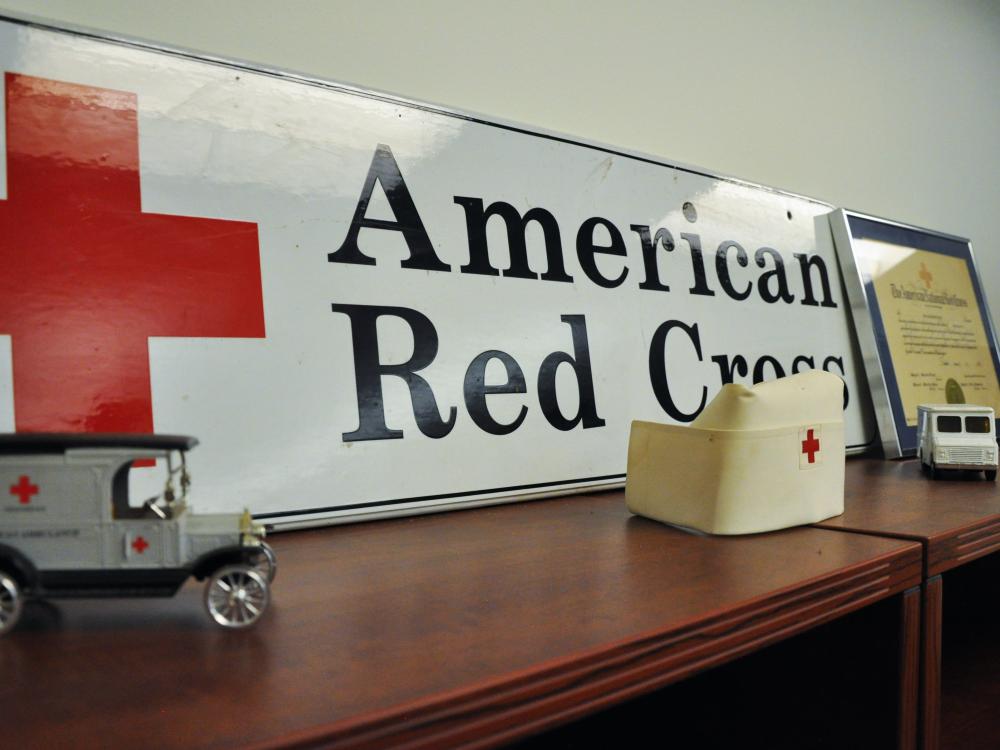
(892, 108)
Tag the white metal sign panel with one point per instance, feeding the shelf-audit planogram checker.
(364, 306)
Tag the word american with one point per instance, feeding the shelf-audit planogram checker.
(772, 285)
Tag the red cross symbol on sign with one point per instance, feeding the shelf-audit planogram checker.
(86, 277)
(140, 545)
(24, 489)
(810, 446)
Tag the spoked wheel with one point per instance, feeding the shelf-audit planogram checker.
(265, 562)
(11, 603)
(236, 596)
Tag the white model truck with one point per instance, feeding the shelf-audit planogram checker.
(957, 436)
(69, 528)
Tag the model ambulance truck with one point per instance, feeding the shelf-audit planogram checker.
(957, 436)
(68, 527)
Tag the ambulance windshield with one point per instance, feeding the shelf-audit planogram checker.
(949, 424)
(159, 491)
(978, 425)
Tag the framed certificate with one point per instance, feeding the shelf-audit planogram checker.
(921, 318)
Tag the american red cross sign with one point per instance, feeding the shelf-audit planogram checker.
(86, 277)
(445, 293)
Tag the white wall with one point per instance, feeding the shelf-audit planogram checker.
(892, 108)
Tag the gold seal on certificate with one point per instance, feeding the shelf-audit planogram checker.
(921, 319)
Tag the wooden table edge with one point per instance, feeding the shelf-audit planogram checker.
(516, 705)
(944, 550)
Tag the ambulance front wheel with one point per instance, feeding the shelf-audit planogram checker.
(933, 469)
(991, 475)
(11, 602)
(236, 596)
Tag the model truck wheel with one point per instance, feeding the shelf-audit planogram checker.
(11, 603)
(236, 596)
(991, 474)
(265, 562)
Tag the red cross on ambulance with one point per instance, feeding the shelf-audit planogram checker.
(24, 489)
(141, 543)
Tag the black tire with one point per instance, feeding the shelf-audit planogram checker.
(991, 474)
(933, 470)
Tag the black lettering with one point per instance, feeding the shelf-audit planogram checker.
(580, 362)
(802, 358)
(476, 391)
(722, 268)
(806, 264)
(726, 370)
(664, 239)
(658, 368)
(758, 368)
(476, 218)
(697, 266)
(586, 249)
(368, 372)
(778, 273)
(386, 172)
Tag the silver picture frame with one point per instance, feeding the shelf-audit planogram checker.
(897, 437)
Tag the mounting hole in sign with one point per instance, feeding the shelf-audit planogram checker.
(689, 211)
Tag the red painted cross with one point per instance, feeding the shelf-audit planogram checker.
(140, 545)
(86, 277)
(24, 489)
(810, 446)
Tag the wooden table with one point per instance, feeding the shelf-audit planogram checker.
(473, 628)
(957, 520)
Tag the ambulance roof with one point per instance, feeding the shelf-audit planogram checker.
(60, 442)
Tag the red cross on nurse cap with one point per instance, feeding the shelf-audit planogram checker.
(756, 459)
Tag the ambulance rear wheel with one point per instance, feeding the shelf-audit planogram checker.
(11, 603)
(991, 475)
(265, 562)
(236, 596)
